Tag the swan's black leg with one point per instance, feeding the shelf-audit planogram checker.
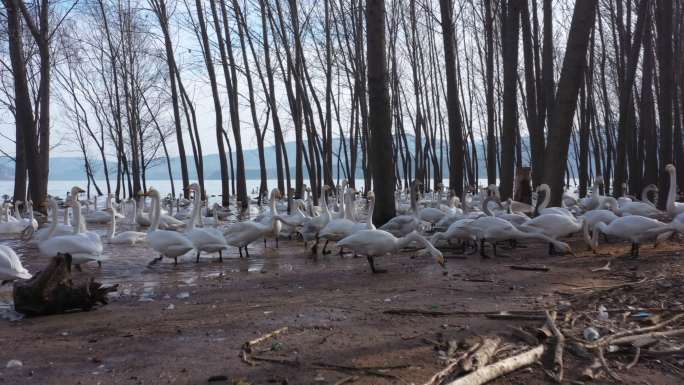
(371, 261)
(247, 251)
(175, 261)
(221, 256)
(341, 252)
(314, 248)
(78, 267)
(482, 249)
(276, 238)
(99, 263)
(240, 250)
(264, 242)
(4, 283)
(325, 247)
(552, 250)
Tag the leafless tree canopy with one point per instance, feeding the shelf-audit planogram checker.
(387, 91)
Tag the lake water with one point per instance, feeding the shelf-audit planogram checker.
(213, 186)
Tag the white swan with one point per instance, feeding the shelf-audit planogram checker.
(492, 230)
(543, 209)
(242, 234)
(591, 218)
(673, 207)
(377, 243)
(101, 216)
(340, 228)
(83, 246)
(125, 237)
(54, 229)
(10, 266)
(293, 222)
(634, 228)
(402, 225)
(31, 220)
(267, 217)
(313, 225)
(648, 189)
(633, 208)
(458, 230)
(553, 226)
(167, 243)
(517, 219)
(207, 239)
(14, 225)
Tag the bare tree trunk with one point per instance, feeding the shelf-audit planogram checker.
(489, 101)
(159, 8)
(455, 129)
(510, 32)
(209, 62)
(22, 100)
(664, 12)
(380, 118)
(572, 75)
(626, 117)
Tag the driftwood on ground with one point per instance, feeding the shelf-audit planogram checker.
(52, 291)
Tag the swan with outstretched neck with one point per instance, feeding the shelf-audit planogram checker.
(377, 243)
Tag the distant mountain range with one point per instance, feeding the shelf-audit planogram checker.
(72, 168)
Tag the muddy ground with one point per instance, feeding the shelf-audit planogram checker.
(186, 324)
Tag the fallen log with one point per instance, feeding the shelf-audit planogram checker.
(52, 291)
(500, 368)
(247, 346)
(529, 268)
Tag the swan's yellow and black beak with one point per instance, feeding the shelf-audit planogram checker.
(441, 260)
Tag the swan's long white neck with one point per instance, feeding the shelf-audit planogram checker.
(112, 229)
(79, 227)
(156, 212)
(53, 223)
(414, 199)
(272, 203)
(644, 194)
(369, 221)
(415, 237)
(672, 192)
(547, 196)
(195, 215)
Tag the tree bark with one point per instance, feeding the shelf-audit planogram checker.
(572, 75)
(455, 129)
(379, 118)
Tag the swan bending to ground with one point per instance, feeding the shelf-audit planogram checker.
(492, 230)
(11, 268)
(377, 243)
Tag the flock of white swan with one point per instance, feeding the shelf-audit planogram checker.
(427, 224)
